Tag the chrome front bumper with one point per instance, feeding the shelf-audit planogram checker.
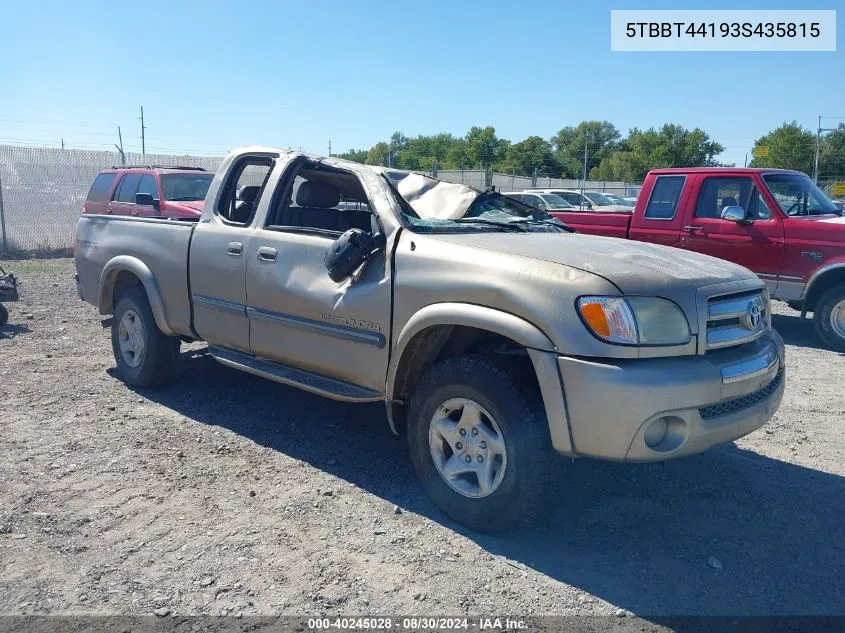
(617, 408)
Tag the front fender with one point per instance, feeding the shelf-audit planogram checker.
(541, 350)
(138, 268)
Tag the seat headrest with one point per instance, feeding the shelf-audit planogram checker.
(249, 194)
(728, 201)
(317, 194)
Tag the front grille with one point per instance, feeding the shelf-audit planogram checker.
(743, 402)
(737, 319)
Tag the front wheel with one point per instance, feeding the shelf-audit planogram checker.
(479, 442)
(4, 315)
(829, 317)
(145, 356)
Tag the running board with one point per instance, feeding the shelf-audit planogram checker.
(306, 380)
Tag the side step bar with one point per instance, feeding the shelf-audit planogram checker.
(306, 380)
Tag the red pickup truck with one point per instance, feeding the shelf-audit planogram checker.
(777, 223)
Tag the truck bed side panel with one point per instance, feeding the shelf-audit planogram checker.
(597, 223)
(161, 245)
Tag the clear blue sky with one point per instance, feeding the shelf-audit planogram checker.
(212, 75)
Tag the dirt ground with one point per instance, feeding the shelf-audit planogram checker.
(225, 494)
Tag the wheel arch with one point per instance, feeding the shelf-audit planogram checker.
(822, 279)
(444, 330)
(125, 271)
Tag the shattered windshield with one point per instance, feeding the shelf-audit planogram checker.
(431, 205)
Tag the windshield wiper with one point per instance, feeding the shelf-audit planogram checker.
(516, 225)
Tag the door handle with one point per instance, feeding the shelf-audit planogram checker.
(108, 210)
(267, 254)
(134, 213)
(693, 229)
(235, 248)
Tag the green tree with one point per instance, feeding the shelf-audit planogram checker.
(619, 166)
(532, 153)
(483, 147)
(832, 155)
(602, 139)
(791, 146)
(356, 155)
(670, 146)
(378, 154)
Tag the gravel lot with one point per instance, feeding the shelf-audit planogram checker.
(226, 493)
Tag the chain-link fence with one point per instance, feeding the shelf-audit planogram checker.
(42, 191)
(512, 182)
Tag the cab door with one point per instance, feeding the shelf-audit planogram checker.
(218, 256)
(757, 243)
(123, 198)
(147, 185)
(298, 316)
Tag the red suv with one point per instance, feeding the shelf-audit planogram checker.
(149, 191)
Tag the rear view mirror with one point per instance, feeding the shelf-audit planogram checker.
(734, 214)
(348, 252)
(146, 200)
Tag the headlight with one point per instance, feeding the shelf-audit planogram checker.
(635, 320)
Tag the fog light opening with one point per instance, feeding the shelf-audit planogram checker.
(656, 432)
(665, 434)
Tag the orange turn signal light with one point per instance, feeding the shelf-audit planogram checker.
(595, 317)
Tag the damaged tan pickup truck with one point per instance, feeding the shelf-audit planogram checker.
(495, 335)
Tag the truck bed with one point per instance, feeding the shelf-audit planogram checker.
(161, 245)
(611, 224)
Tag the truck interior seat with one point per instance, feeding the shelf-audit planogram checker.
(245, 204)
(316, 201)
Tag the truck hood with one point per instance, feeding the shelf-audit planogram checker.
(633, 267)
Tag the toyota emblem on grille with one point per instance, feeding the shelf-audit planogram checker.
(752, 315)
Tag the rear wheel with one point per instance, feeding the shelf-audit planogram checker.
(829, 317)
(479, 442)
(145, 356)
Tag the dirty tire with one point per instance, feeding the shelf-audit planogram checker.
(516, 406)
(4, 315)
(830, 299)
(161, 352)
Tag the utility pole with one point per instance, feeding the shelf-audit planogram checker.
(584, 178)
(63, 143)
(330, 149)
(143, 140)
(819, 146)
(120, 147)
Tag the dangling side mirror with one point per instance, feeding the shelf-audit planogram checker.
(348, 252)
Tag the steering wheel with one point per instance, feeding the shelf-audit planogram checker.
(791, 210)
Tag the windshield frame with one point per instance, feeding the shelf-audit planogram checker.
(813, 190)
(174, 175)
(411, 221)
